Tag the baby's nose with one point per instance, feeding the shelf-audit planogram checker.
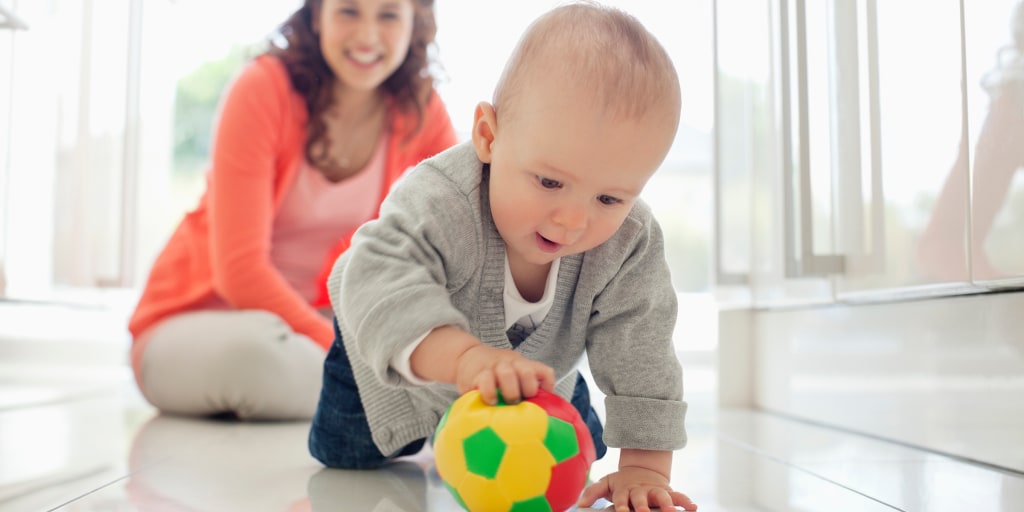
(572, 217)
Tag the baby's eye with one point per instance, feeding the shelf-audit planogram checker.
(608, 200)
(349, 12)
(389, 15)
(548, 182)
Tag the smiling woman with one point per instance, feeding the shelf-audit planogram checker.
(309, 137)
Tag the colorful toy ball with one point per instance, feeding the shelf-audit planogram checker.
(533, 456)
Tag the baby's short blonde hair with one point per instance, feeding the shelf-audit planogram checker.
(603, 49)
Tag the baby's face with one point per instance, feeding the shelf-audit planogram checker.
(563, 175)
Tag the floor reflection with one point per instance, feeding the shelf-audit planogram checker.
(742, 461)
(183, 464)
(399, 487)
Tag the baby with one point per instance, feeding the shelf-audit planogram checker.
(497, 264)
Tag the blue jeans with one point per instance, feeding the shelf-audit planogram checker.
(340, 434)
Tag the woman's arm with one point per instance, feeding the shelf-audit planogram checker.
(249, 142)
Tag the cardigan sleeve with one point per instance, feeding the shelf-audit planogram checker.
(629, 341)
(393, 284)
(247, 152)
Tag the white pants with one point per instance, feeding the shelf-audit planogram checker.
(249, 363)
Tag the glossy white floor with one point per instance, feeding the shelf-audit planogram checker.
(79, 438)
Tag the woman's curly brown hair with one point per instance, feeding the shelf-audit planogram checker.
(410, 85)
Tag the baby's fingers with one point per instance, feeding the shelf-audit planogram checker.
(638, 497)
(534, 376)
(593, 492)
(666, 499)
(681, 500)
(643, 499)
(509, 381)
(520, 379)
(486, 385)
(545, 378)
(620, 499)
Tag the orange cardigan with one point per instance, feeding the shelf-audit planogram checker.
(223, 246)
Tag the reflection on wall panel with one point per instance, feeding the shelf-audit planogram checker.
(899, 156)
(7, 39)
(995, 87)
(945, 374)
(859, 159)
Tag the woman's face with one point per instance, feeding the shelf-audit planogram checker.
(365, 41)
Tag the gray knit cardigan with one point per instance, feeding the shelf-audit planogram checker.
(434, 258)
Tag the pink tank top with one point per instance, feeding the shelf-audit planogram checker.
(316, 214)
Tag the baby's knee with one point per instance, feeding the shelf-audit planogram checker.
(347, 450)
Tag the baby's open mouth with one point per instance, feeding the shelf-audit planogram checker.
(547, 245)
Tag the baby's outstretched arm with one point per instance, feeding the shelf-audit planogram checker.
(451, 355)
(641, 481)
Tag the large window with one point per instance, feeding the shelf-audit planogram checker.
(114, 103)
(63, 166)
(876, 166)
(106, 108)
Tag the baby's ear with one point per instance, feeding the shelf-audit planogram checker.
(485, 126)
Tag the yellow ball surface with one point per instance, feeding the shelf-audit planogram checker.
(500, 458)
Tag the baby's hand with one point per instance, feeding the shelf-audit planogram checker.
(489, 369)
(640, 487)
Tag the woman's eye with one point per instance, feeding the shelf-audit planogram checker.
(549, 183)
(389, 16)
(609, 200)
(352, 13)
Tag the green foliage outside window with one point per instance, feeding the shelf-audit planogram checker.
(196, 99)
